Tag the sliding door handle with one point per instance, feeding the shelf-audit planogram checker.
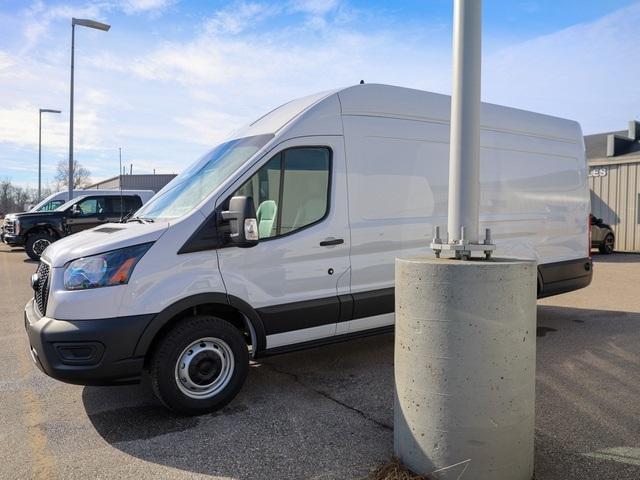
(331, 241)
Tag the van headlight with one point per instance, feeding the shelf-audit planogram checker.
(105, 269)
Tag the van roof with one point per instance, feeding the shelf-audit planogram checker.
(405, 103)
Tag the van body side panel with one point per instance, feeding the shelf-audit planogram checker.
(397, 190)
(534, 197)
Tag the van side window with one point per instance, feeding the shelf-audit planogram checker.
(291, 191)
(92, 206)
(264, 188)
(52, 205)
(305, 189)
(129, 204)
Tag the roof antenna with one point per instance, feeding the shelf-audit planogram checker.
(361, 82)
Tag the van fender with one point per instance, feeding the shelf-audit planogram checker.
(165, 316)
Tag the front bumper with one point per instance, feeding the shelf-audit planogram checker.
(13, 240)
(86, 352)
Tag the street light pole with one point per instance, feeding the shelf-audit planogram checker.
(464, 151)
(46, 110)
(464, 155)
(90, 24)
(460, 410)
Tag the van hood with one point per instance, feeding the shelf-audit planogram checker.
(104, 238)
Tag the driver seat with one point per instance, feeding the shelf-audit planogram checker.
(266, 214)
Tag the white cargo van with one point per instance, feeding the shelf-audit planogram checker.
(285, 237)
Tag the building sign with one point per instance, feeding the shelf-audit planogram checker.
(598, 172)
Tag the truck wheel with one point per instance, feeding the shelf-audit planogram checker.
(607, 244)
(199, 366)
(36, 244)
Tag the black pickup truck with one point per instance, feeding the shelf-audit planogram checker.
(35, 231)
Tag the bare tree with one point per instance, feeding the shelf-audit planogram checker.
(14, 198)
(80, 175)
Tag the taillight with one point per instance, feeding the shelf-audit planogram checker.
(589, 235)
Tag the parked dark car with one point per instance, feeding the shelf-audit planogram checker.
(602, 236)
(35, 231)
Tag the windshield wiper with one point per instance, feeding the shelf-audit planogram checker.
(140, 219)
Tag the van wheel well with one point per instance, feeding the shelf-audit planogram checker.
(225, 312)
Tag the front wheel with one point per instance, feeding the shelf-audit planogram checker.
(199, 366)
(607, 244)
(37, 243)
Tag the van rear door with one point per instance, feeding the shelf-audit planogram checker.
(294, 276)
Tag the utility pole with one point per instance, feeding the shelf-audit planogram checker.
(465, 387)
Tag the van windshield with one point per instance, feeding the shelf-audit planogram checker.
(197, 182)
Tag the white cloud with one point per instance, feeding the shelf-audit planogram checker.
(6, 61)
(587, 72)
(240, 17)
(315, 7)
(138, 6)
(38, 19)
(167, 102)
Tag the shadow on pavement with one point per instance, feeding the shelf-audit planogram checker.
(586, 393)
(299, 415)
(328, 412)
(616, 258)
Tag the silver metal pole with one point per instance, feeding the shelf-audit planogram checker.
(464, 157)
(39, 154)
(73, 37)
(120, 183)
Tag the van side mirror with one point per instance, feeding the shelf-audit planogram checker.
(242, 220)
(75, 210)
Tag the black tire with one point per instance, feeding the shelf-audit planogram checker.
(607, 244)
(33, 247)
(164, 371)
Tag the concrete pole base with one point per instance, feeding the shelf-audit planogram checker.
(465, 351)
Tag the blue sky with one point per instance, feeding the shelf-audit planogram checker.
(174, 77)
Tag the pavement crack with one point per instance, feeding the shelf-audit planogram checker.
(326, 395)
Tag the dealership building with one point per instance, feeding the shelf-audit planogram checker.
(153, 182)
(614, 179)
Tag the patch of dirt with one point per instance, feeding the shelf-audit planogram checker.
(394, 470)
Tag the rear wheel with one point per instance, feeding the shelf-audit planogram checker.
(607, 244)
(199, 366)
(36, 244)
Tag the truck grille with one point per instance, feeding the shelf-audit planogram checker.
(9, 227)
(42, 292)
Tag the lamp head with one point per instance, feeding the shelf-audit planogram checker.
(90, 23)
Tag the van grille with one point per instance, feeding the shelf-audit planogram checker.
(42, 292)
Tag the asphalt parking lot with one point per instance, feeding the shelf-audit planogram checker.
(324, 413)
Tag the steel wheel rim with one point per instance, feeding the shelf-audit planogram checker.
(40, 245)
(204, 368)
